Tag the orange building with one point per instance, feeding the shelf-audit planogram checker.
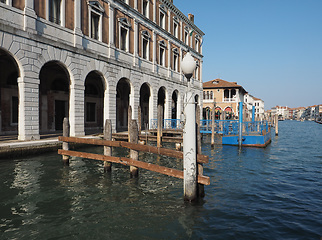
(224, 96)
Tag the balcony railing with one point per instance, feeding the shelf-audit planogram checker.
(230, 99)
(174, 124)
(231, 127)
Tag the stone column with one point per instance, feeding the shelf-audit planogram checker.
(76, 110)
(154, 51)
(111, 31)
(28, 124)
(169, 59)
(136, 42)
(29, 16)
(77, 21)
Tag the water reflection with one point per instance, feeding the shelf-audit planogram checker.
(254, 194)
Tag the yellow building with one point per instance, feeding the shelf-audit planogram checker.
(224, 97)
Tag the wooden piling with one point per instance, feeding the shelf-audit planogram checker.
(133, 138)
(139, 120)
(178, 146)
(201, 187)
(212, 127)
(107, 150)
(276, 124)
(159, 130)
(66, 144)
(129, 117)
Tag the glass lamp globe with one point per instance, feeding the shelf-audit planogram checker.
(188, 64)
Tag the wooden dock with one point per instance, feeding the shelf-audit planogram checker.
(111, 141)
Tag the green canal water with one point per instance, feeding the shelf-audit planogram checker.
(271, 193)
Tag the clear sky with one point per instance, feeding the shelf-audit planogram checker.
(273, 48)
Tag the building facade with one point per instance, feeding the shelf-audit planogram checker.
(90, 61)
(224, 97)
(259, 109)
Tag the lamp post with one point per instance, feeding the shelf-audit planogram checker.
(188, 65)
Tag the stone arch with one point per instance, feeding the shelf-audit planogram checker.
(54, 94)
(174, 104)
(10, 72)
(124, 93)
(94, 102)
(162, 99)
(228, 113)
(146, 103)
(218, 112)
(206, 113)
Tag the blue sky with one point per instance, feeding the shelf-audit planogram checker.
(273, 48)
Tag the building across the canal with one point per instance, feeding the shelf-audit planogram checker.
(89, 61)
(224, 96)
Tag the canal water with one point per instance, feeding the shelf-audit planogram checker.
(270, 193)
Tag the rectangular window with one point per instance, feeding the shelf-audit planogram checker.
(145, 48)
(197, 45)
(14, 109)
(175, 62)
(54, 11)
(90, 112)
(123, 39)
(94, 25)
(145, 9)
(162, 19)
(175, 29)
(162, 56)
(186, 37)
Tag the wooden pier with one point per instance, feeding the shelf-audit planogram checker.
(132, 144)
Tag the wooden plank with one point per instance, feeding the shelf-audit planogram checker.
(145, 148)
(130, 162)
(91, 141)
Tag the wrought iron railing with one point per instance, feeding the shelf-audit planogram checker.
(167, 124)
(231, 127)
(225, 127)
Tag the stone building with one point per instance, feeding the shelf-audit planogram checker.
(224, 96)
(90, 61)
(259, 109)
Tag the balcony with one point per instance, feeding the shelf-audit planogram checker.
(233, 99)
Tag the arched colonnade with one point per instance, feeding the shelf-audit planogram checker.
(35, 99)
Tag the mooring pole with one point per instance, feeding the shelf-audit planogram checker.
(189, 148)
(139, 120)
(133, 138)
(276, 124)
(253, 114)
(129, 117)
(107, 150)
(213, 127)
(240, 138)
(201, 187)
(159, 127)
(65, 144)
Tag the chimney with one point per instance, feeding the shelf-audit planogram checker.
(191, 17)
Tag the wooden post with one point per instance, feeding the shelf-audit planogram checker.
(213, 128)
(159, 130)
(201, 187)
(65, 144)
(129, 117)
(276, 124)
(133, 138)
(139, 120)
(107, 150)
(178, 146)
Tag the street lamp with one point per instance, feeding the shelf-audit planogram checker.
(188, 66)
